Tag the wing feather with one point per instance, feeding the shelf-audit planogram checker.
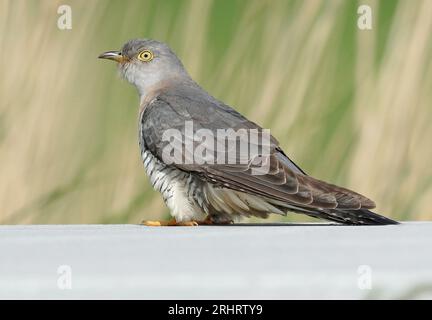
(284, 181)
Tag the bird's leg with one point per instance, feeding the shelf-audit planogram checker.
(170, 223)
(154, 223)
(185, 223)
(206, 222)
(173, 222)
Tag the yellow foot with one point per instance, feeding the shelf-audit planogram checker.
(186, 224)
(154, 223)
(171, 223)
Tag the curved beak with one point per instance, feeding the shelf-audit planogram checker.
(112, 55)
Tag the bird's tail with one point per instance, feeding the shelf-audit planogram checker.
(358, 217)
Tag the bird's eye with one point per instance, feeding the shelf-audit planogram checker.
(145, 56)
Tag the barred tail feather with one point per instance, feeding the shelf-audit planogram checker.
(358, 217)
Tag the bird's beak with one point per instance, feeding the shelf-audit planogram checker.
(113, 55)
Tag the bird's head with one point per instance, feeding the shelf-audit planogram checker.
(146, 63)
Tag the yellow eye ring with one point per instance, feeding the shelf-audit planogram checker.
(145, 55)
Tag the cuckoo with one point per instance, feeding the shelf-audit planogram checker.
(201, 190)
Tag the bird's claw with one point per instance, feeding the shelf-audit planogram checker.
(171, 223)
(152, 223)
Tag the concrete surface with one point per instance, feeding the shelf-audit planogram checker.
(232, 262)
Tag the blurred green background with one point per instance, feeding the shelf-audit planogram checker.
(352, 107)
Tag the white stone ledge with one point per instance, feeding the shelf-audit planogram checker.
(231, 262)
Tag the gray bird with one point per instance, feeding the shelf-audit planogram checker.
(220, 192)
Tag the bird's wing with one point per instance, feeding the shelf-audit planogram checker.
(283, 181)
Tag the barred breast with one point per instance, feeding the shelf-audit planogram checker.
(181, 191)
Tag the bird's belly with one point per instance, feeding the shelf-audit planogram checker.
(181, 192)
